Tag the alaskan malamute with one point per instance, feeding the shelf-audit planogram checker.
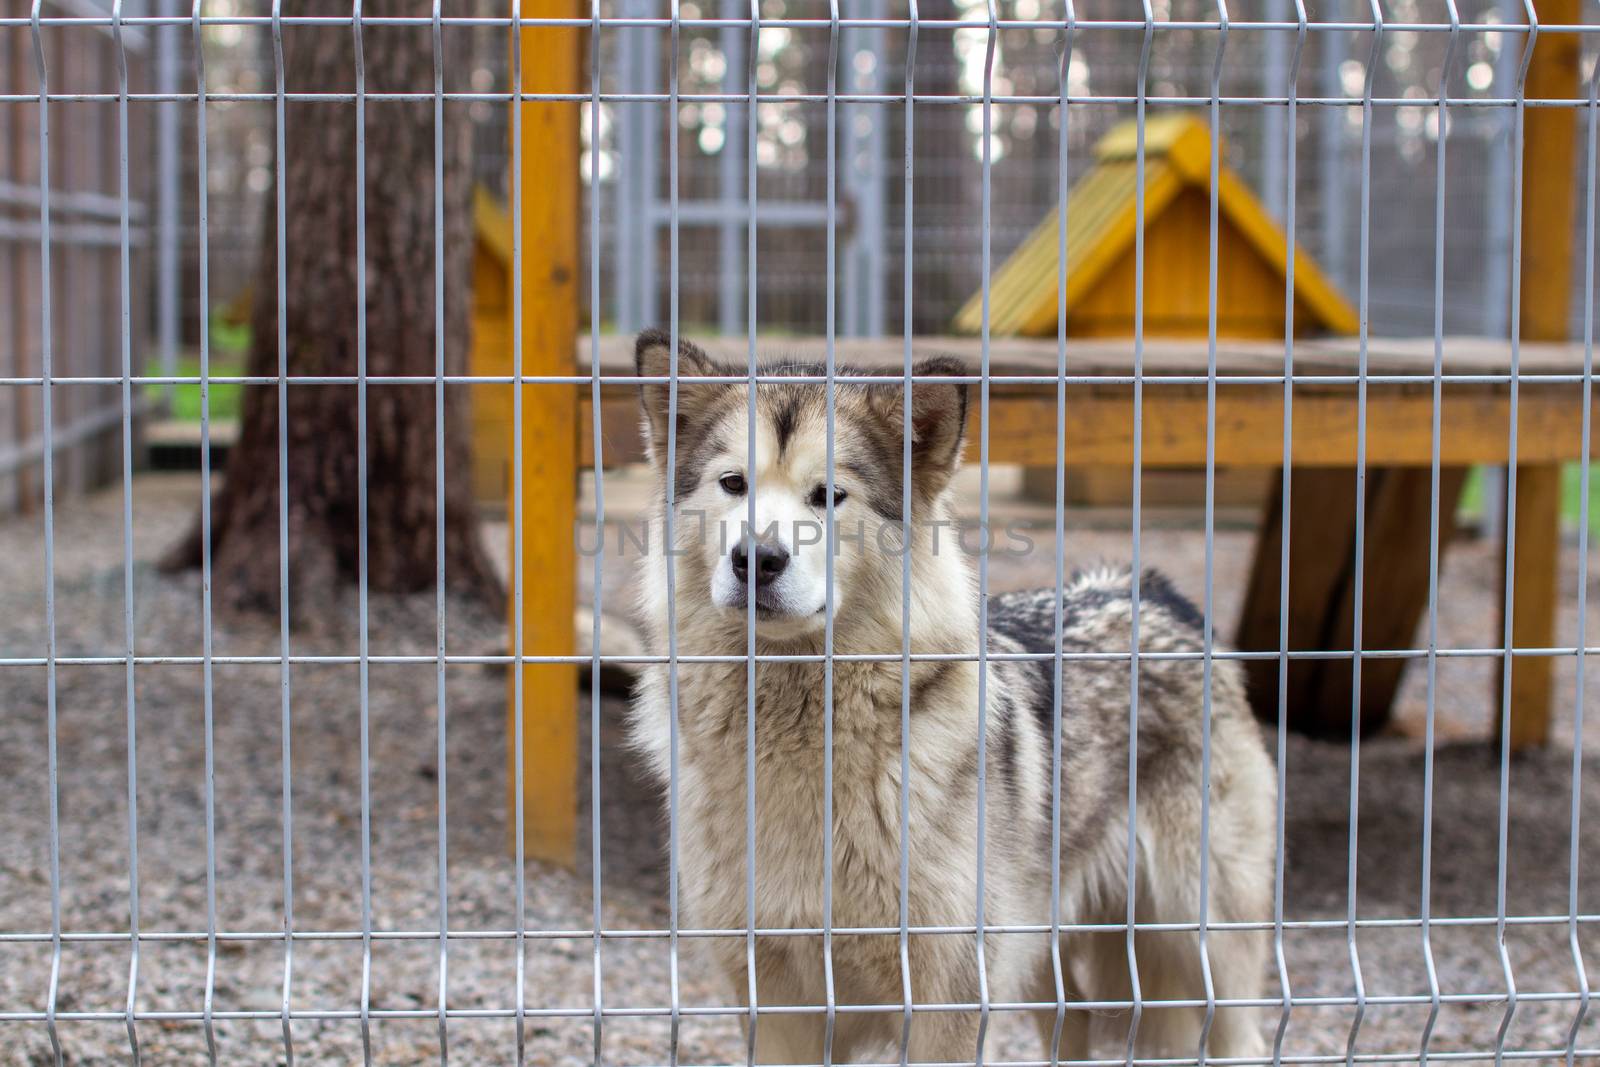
(719, 557)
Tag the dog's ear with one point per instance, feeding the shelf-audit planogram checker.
(938, 419)
(652, 358)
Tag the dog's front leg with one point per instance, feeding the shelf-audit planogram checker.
(788, 975)
(789, 1039)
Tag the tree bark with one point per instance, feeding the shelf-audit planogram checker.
(323, 501)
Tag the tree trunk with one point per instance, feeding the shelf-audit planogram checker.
(321, 300)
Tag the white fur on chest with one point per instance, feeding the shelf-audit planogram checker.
(790, 794)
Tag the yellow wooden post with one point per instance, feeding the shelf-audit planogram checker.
(1533, 604)
(1548, 155)
(548, 443)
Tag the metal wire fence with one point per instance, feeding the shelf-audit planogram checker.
(1209, 40)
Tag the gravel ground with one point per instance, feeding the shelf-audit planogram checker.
(405, 784)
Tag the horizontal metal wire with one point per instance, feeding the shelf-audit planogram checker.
(606, 21)
(1128, 1061)
(961, 99)
(1305, 378)
(650, 933)
(713, 1011)
(802, 657)
(535, 22)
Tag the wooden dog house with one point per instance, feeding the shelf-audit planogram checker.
(1102, 216)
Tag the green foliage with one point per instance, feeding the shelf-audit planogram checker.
(1473, 503)
(228, 346)
(186, 398)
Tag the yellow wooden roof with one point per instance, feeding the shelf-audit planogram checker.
(1101, 216)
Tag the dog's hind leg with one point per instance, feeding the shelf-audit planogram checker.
(1238, 960)
(1171, 963)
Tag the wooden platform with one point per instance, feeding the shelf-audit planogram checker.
(1249, 420)
(1475, 419)
(1475, 428)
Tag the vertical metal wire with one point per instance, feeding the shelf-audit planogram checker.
(1573, 855)
(1434, 521)
(207, 680)
(1359, 577)
(751, 126)
(645, 225)
(1291, 141)
(1333, 49)
(518, 770)
(1508, 652)
(125, 329)
(361, 475)
(1274, 130)
(598, 428)
(280, 222)
(908, 531)
(986, 194)
(669, 544)
(1132, 860)
(830, 1016)
(168, 177)
(443, 717)
(1207, 639)
(1497, 196)
(728, 179)
(47, 424)
(1064, 128)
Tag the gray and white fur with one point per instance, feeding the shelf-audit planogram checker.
(717, 553)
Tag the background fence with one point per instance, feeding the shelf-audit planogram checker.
(791, 165)
(88, 240)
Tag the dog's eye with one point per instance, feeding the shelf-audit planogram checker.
(732, 483)
(819, 496)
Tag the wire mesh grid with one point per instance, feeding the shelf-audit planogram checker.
(1209, 38)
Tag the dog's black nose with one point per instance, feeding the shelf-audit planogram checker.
(770, 561)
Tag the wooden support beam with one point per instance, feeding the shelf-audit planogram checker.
(1549, 154)
(548, 445)
(1322, 590)
(1533, 605)
(1022, 426)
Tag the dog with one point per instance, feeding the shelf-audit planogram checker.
(719, 558)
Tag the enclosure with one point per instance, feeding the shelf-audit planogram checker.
(326, 510)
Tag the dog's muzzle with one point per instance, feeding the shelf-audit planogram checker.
(770, 561)
(767, 561)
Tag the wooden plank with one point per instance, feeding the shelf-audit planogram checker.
(1549, 152)
(1249, 426)
(1100, 357)
(1533, 607)
(1162, 487)
(550, 209)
